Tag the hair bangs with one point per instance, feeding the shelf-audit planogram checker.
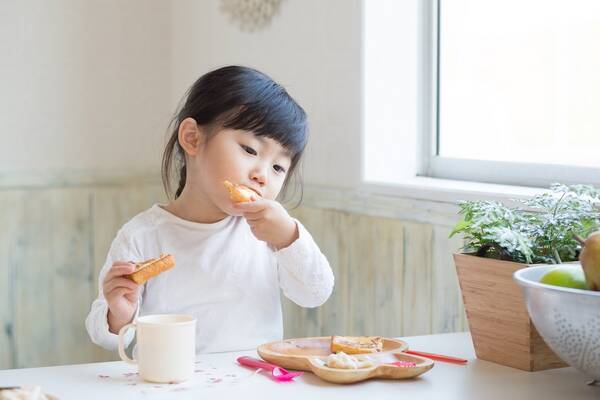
(279, 120)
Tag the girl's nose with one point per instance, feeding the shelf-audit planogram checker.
(259, 176)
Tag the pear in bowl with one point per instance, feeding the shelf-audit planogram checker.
(590, 259)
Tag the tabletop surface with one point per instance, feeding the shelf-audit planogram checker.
(219, 375)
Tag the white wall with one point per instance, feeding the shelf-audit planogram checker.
(312, 47)
(85, 85)
(91, 85)
(391, 71)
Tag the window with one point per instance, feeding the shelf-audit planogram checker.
(516, 94)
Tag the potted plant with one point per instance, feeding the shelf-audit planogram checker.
(500, 240)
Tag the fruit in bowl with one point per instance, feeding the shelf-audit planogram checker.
(590, 259)
(570, 276)
(568, 319)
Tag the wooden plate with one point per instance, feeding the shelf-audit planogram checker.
(295, 353)
(379, 370)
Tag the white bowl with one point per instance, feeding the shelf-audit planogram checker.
(567, 319)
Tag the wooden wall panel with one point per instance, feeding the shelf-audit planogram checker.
(388, 255)
(9, 241)
(393, 277)
(52, 275)
(416, 300)
(446, 300)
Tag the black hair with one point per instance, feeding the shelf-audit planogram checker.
(241, 98)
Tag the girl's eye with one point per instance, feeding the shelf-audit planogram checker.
(278, 168)
(249, 150)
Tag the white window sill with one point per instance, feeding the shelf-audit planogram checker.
(449, 191)
(420, 199)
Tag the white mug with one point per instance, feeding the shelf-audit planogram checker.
(166, 347)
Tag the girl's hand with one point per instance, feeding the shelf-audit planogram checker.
(269, 222)
(121, 294)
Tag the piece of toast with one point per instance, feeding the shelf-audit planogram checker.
(356, 344)
(240, 193)
(147, 269)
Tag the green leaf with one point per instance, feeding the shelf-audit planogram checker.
(461, 226)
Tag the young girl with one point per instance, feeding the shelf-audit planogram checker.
(231, 259)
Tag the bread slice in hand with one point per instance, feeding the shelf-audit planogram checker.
(356, 344)
(240, 193)
(150, 268)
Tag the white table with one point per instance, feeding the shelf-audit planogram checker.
(219, 375)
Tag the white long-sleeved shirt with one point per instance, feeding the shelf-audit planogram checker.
(225, 277)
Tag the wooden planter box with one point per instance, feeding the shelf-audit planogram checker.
(498, 320)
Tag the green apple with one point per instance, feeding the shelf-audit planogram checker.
(569, 276)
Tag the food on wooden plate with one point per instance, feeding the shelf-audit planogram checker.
(240, 193)
(356, 344)
(342, 360)
(145, 270)
(24, 393)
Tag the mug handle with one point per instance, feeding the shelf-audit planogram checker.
(122, 331)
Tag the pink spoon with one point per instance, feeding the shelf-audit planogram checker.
(278, 373)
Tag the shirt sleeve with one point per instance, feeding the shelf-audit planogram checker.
(304, 273)
(96, 322)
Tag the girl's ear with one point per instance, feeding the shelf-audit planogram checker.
(190, 136)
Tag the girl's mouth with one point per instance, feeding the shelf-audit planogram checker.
(255, 191)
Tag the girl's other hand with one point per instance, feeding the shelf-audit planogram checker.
(269, 222)
(121, 294)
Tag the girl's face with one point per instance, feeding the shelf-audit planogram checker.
(257, 162)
